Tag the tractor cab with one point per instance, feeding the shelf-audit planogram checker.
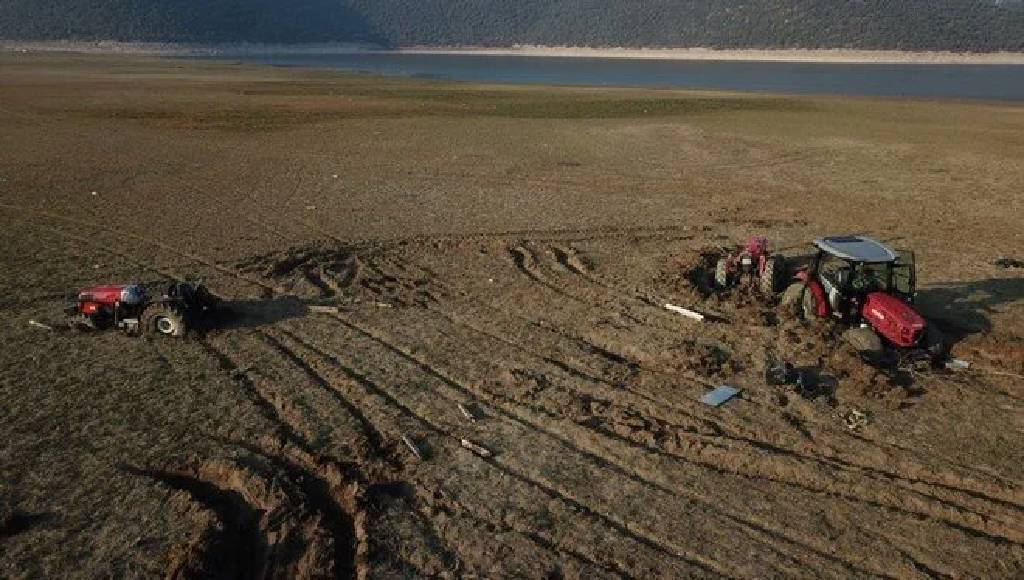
(870, 288)
(850, 268)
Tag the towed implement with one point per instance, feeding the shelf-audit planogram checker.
(753, 265)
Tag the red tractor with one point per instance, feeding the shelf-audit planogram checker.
(753, 264)
(129, 308)
(870, 288)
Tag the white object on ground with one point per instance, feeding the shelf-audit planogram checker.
(957, 364)
(468, 414)
(323, 309)
(685, 312)
(412, 447)
(481, 451)
(39, 325)
(719, 395)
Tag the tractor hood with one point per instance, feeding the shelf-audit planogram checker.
(113, 294)
(894, 319)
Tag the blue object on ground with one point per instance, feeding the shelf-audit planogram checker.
(719, 395)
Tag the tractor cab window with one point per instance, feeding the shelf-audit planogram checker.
(870, 278)
(834, 273)
(903, 278)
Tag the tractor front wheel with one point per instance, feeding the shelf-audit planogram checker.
(722, 273)
(809, 305)
(771, 276)
(791, 299)
(164, 321)
(865, 341)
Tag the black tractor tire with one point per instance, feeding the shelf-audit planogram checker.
(161, 320)
(722, 273)
(809, 305)
(865, 341)
(791, 302)
(81, 323)
(771, 276)
(935, 343)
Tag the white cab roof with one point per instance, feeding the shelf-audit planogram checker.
(856, 249)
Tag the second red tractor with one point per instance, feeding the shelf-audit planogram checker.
(870, 288)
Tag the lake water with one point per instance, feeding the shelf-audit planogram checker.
(960, 81)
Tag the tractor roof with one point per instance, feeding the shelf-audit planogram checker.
(856, 249)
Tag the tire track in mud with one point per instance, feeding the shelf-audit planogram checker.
(355, 379)
(464, 509)
(549, 489)
(332, 490)
(779, 540)
(527, 262)
(235, 536)
(266, 525)
(749, 463)
(572, 263)
(372, 447)
(958, 486)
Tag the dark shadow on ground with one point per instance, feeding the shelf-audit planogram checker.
(20, 522)
(962, 309)
(240, 314)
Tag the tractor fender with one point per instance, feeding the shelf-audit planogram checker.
(817, 290)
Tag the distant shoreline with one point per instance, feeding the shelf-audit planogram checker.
(683, 54)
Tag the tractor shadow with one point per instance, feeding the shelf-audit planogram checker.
(245, 314)
(20, 522)
(963, 309)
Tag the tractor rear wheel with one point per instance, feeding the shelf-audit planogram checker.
(162, 320)
(722, 273)
(865, 341)
(771, 276)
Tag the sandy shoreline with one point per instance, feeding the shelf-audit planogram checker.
(691, 54)
(767, 55)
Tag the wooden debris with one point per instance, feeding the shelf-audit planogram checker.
(685, 312)
(412, 447)
(467, 413)
(323, 309)
(39, 325)
(479, 450)
(957, 364)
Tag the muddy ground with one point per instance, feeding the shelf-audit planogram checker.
(507, 250)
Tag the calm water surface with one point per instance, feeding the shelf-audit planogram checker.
(994, 82)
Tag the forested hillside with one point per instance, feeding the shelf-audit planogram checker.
(960, 25)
